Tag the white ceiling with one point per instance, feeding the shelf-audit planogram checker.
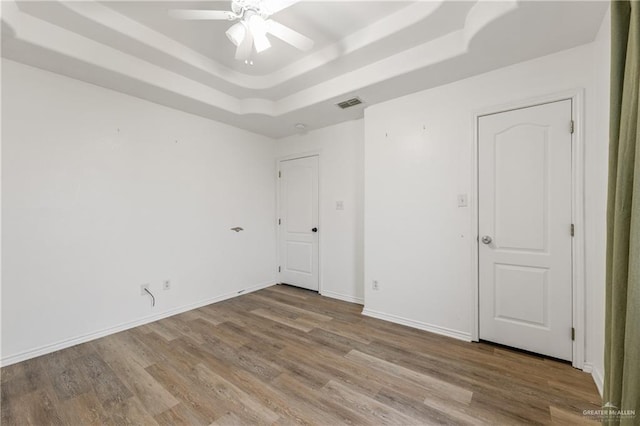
(325, 23)
(376, 50)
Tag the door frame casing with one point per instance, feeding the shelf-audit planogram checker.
(578, 290)
(306, 154)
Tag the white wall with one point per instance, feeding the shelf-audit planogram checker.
(341, 150)
(90, 212)
(103, 192)
(596, 200)
(418, 157)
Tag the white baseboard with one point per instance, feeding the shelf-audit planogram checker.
(343, 297)
(52, 347)
(596, 375)
(460, 335)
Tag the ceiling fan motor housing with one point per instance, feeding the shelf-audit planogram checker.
(241, 7)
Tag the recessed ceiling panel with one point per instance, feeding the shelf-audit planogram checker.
(325, 22)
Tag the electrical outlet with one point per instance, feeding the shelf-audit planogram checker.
(142, 289)
(166, 285)
(375, 285)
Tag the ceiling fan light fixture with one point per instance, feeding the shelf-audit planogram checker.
(258, 28)
(253, 24)
(236, 33)
(261, 42)
(257, 24)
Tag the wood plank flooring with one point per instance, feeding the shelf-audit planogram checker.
(284, 356)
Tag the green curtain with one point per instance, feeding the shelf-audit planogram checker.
(622, 321)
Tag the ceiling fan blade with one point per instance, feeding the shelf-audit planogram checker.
(274, 6)
(223, 15)
(243, 52)
(288, 35)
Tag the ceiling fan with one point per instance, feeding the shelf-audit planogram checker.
(253, 25)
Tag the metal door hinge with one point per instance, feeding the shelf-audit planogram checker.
(573, 230)
(278, 269)
(280, 173)
(571, 126)
(573, 333)
(279, 221)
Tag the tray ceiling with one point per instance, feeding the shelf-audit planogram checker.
(376, 50)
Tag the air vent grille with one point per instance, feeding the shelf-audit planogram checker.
(349, 103)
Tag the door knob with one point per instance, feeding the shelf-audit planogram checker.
(314, 230)
(486, 239)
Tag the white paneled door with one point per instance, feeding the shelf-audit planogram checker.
(525, 231)
(298, 222)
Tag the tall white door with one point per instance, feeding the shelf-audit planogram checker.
(298, 222)
(524, 207)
